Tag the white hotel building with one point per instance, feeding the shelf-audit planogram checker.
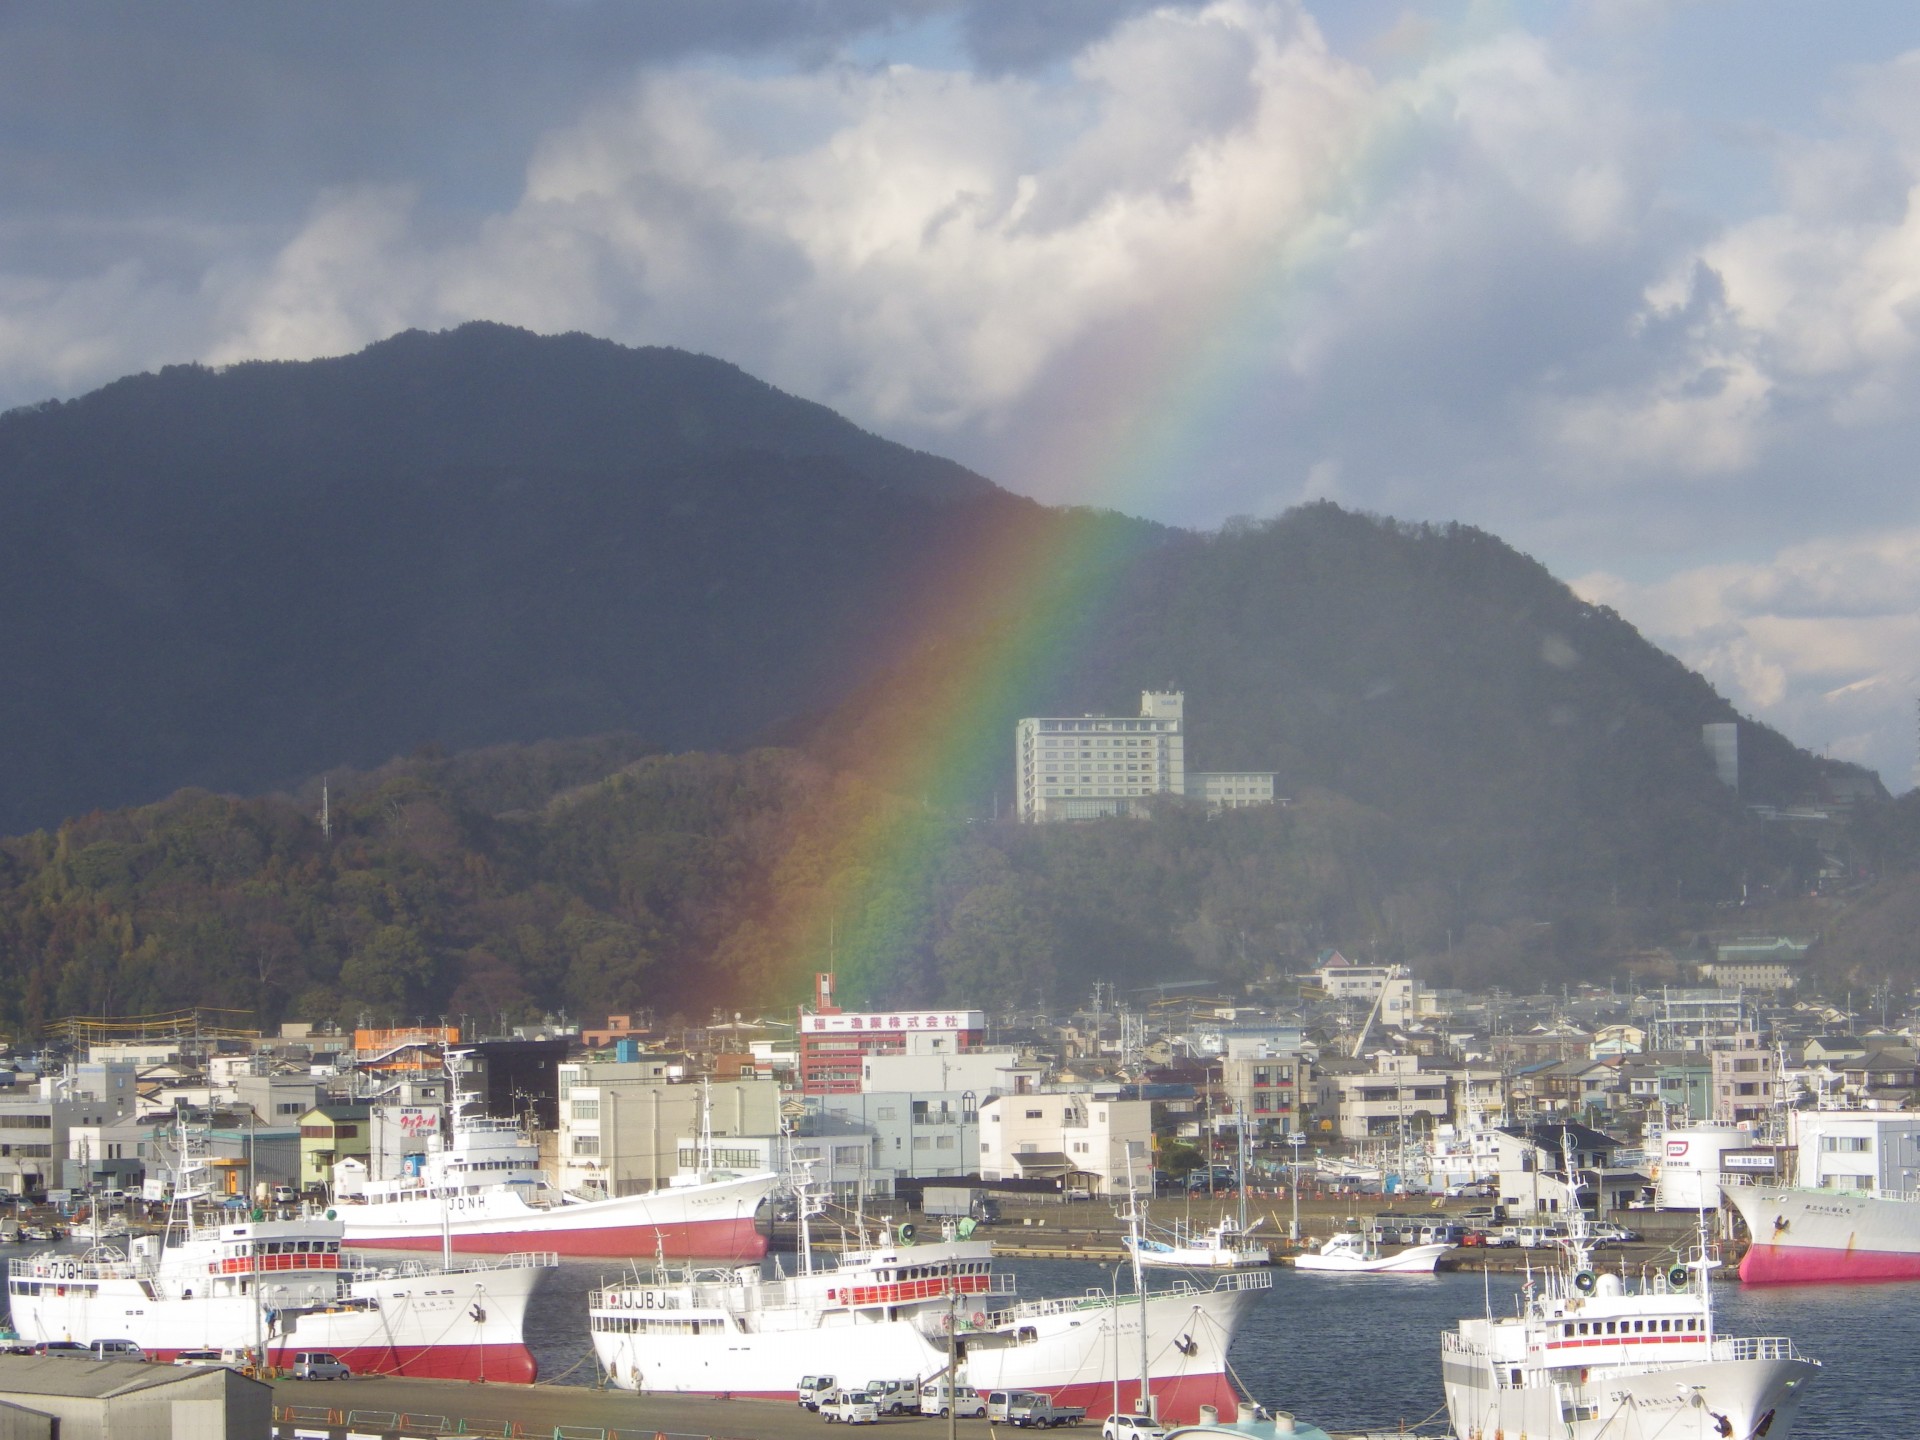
(1086, 766)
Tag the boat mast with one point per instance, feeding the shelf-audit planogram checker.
(1135, 1239)
(1240, 1154)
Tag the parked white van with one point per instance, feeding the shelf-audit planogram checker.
(967, 1401)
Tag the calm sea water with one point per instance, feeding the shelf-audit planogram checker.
(1356, 1353)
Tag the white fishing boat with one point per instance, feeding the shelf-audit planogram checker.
(1219, 1247)
(1225, 1246)
(890, 1309)
(277, 1285)
(1589, 1355)
(1350, 1253)
(483, 1189)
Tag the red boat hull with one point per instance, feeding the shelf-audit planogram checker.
(731, 1239)
(502, 1364)
(1776, 1264)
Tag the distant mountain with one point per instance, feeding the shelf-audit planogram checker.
(236, 580)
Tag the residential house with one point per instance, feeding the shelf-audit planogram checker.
(1085, 1142)
(329, 1134)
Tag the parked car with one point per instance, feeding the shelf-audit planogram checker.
(198, 1357)
(849, 1407)
(318, 1365)
(967, 1401)
(1132, 1427)
(70, 1349)
(1606, 1232)
(116, 1350)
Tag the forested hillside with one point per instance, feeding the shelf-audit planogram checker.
(592, 876)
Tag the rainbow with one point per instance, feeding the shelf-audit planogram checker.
(858, 872)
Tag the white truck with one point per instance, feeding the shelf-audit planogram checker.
(849, 1407)
(1030, 1409)
(895, 1397)
(812, 1389)
(957, 1202)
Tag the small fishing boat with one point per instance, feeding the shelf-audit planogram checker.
(1353, 1254)
(1223, 1247)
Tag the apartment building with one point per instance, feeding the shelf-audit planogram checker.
(1745, 1079)
(1392, 1095)
(1263, 1086)
(1079, 1140)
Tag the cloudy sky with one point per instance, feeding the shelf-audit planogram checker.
(1634, 284)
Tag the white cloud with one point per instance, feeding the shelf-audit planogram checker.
(915, 246)
(1821, 641)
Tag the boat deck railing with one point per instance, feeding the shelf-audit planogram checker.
(1725, 1348)
(1730, 1180)
(367, 1267)
(1100, 1299)
(46, 1266)
(733, 1297)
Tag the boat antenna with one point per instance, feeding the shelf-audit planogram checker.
(1135, 1243)
(806, 1206)
(1579, 1241)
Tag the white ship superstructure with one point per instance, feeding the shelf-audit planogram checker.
(888, 1311)
(483, 1190)
(1587, 1355)
(277, 1284)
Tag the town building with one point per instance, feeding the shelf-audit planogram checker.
(1543, 1044)
(622, 1122)
(1745, 1078)
(1392, 1095)
(279, 1099)
(901, 1135)
(1261, 1084)
(1084, 767)
(1531, 1162)
(1082, 1142)
(66, 1130)
(1696, 1019)
(328, 1135)
(1334, 977)
(834, 1044)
